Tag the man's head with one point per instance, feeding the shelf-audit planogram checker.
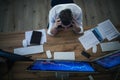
(66, 17)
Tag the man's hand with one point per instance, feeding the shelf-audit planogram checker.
(55, 26)
(57, 22)
(76, 27)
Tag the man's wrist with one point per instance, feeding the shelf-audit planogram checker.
(55, 26)
(76, 29)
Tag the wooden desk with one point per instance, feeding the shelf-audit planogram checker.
(65, 41)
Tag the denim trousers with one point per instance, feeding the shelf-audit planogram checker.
(56, 2)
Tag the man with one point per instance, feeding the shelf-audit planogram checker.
(63, 17)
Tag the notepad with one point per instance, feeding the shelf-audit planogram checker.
(64, 55)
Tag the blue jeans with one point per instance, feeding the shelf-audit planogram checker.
(55, 2)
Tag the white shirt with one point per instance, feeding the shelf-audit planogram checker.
(54, 13)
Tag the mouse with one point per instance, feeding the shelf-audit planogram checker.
(94, 49)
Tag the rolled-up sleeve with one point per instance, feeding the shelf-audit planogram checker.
(51, 21)
(79, 20)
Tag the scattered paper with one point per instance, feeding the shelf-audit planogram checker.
(96, 35)
(28, 35)
(88, 40)
(64, 55)
(108, 30)
(29, 50)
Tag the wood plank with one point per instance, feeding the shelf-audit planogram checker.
(19, 15)
(8, 17)
(113, 10)
(28, 14)
(10, 40)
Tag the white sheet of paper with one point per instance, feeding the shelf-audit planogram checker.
(109, 46)
(64, 55)
(29, 50)
(28, 35)
(108, 30)
(88, 40)
(101, 31)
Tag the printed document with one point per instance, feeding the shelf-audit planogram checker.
(96, 35)
(88, 40)
(108, 30)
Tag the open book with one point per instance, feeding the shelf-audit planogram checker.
(96, 35)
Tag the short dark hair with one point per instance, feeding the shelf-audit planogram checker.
(66, 16)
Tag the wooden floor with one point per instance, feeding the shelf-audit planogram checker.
(23, 15)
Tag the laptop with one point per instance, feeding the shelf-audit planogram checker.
(108, 62)
(61, 66)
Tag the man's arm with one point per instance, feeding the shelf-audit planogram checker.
(51, 22)
(54, 29)
(76, 27)
(77, 24)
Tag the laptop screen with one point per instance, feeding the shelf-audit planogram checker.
(61, 65)
(109, 61)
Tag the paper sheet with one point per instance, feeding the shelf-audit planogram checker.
(88, 40)
(29, 50)
(28, 35)
(64, 55)
(108, 30)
